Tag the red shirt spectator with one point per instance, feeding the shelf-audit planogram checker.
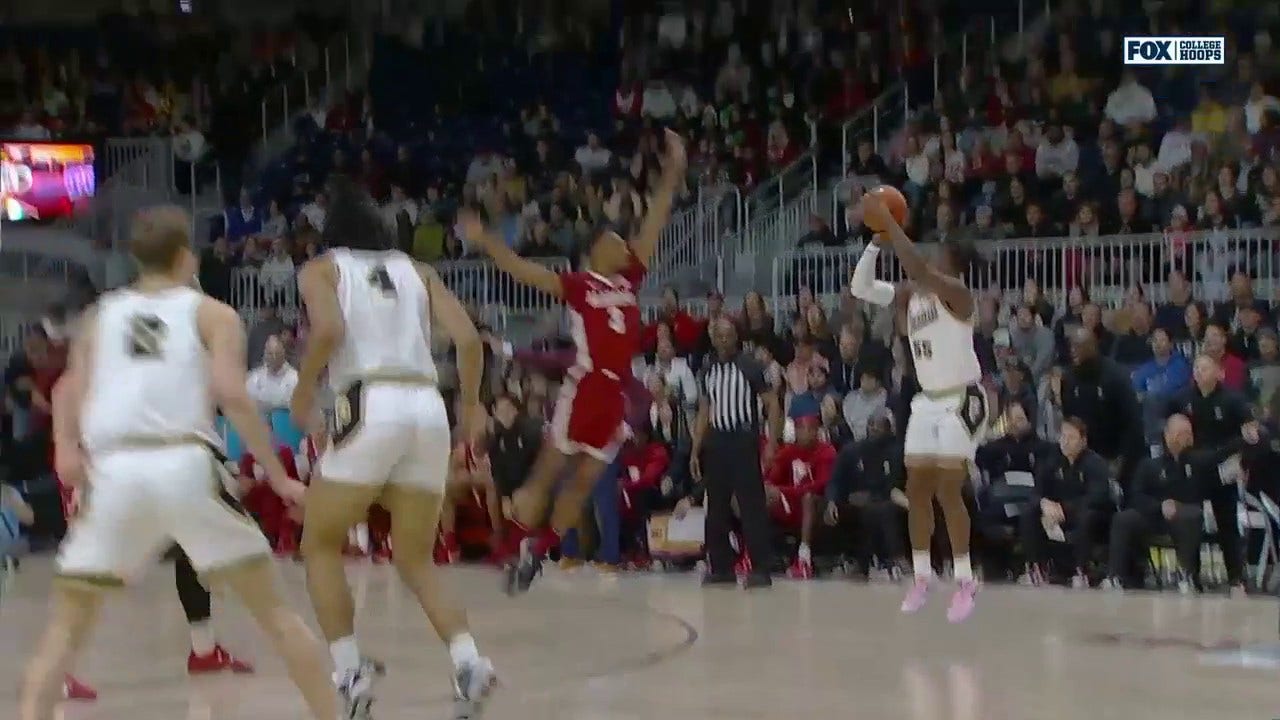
(627, 100)
(644, 463)
(685, 330)
(803, 467)
(781, 151)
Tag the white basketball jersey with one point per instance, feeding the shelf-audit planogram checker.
(941, 345)
(149, 374)
(387, 312)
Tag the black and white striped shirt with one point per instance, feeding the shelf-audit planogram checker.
(732, 389)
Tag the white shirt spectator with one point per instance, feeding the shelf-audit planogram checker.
(275, 226)
(689, 103)
(272, 383)
(593, 157)
(315, 214)
(1130, 103)
(658, 102)
(1057, 159)
(483, 167)
(1175, 149)
(29, 129)
(1144, 178)
(1254, 110)
(677, 375)
(672, 30)
(391, 211)
(277, 271)
(918, 169)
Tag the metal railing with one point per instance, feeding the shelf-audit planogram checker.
(338, 62)
(476, 282)
(141, 172)
(13, 327)
(20, 266)
(693, 241)
(1106, 266)
(977, 43)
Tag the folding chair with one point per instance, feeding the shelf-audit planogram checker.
(1260, 513)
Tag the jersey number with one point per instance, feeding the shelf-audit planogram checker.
(617, 321)
(381, 279)
(921, 349)
(146, 336)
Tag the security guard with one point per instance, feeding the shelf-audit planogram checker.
(1218, 417)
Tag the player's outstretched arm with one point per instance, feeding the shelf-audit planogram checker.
(318, 283)
(524, 271)
(448, 311)
(951, 290)
(864, 285)
(223, 335)
(645, 242)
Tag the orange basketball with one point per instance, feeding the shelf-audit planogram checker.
(892, 199)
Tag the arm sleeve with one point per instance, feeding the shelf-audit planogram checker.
(841, 473)
(1097, 484)
(1142, 499)
(864, 284)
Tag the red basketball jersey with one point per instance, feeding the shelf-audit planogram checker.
(604, 319)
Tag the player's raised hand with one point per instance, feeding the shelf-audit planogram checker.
(677, 158)
(875, 214)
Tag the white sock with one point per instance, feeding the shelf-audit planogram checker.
(803, 553)
(202, 640)
(346, 655)
(922, 563)
(462, 649)
(962, 568)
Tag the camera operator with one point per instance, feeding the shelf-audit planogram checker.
(1218, 417)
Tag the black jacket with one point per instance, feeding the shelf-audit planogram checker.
(1012, 454)
(1174, 478)
(1087, 480)
(1099, 392)
(1215, 418)
(873, 465)
(512, 452)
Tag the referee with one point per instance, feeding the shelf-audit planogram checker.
(727, 428)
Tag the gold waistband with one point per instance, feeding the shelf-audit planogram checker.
(396, 378)
(946, 393)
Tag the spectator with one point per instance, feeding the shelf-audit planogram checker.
(275, 224)
(645, 484)
(806, 357)
(1056, 155)
(685, 331)
(315, 211)
(1098, 392)
(514, 442)
(1072, 493)
(1166, 497)
(1258, 105)
(593, 157)
(1162, 377)
(865, 491)
(277, 274)
(864, 402)
(1243, 297)
(835, 429)
(675, 373)
(1209, 118)
(271, 384)
(215, 270)
(658, 103)
(1131, 104)
(1264, 372)
(1133, 347)
(866, 163)
(268, 323)
(1032, 342)
(1171, 315)
(28, 129)
(245, 220)
(797, 476)
(856, 357)
(1220, 418)
(1233, 368)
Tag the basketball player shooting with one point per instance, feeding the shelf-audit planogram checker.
(371, 310)
(950, 413)
(587, 426)
(135, 427)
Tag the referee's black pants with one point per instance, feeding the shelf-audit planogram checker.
(731, 469)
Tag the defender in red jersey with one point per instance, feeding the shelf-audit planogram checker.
(587, 425)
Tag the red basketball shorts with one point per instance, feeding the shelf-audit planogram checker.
(589, 417)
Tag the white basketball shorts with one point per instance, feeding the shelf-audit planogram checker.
(140, 500)
(389, 433)
(948, 426)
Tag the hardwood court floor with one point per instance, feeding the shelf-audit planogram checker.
(586, 647)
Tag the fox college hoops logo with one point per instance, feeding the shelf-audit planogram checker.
(1143, 50)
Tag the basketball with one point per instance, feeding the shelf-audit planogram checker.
(894, 200)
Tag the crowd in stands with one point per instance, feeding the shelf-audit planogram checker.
(1066, 142)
